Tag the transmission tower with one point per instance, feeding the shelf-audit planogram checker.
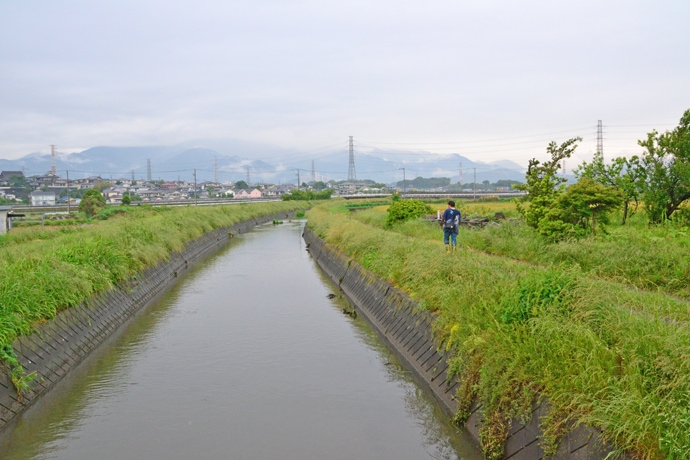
(460, 181)
(351, 175)
(247, 174)
(52, 159)
(313, 172)
(600, 139)
(148, 169)
(215, 169)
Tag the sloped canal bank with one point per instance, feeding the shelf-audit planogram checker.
(245, 358)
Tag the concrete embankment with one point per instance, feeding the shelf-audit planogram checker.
(408, 332)
(58, 346)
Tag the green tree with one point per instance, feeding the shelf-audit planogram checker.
(319, 185)
(305, 195)
(506, 183)
(126, 200)
(241, 185)
(101, 185)
(579, 208)
(542, 185)
(664, 169)
(92, 202)
(18, 181)
(620, 173)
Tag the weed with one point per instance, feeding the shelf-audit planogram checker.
(20, 379)
(589, 326)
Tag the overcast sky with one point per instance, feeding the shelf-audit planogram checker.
(490, 80)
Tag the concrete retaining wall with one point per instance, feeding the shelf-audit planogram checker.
(62, 343)
(408, 332)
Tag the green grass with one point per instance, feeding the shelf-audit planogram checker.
(652, 258)
(602, 351)
(46, 270)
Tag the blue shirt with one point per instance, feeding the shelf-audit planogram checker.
(450, 214)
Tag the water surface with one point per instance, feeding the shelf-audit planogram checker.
(245, 358)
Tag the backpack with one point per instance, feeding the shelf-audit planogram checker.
(450, 224)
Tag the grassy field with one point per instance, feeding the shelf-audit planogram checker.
(597, 327)
(46, 269)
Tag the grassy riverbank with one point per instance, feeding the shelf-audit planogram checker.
(45, 270)
(567, 321)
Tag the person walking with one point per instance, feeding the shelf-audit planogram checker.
(450, 220)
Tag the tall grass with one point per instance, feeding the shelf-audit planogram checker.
(652, 258)
(601, 353)
(45, 271)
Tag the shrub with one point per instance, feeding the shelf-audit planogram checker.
(92, 202)
(403, 210)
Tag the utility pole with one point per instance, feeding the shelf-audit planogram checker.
(404, 181)
(351, 175)
(460, 181)
(600, 139)
(247, 174)
(195, 196)
(132, 175)
(69, 197)
(474, 191)
(313, 172)
(148, 169)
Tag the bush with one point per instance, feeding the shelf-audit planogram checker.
(307, 195)
(92, 202)
(403, 210)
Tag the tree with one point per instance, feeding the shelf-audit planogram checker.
(582, 205)
(126, 200)
(241, 185)
(542, 185)
(92, 202)
(319, 185)
(18, 181)
(305, 195)
(621, 173)
(664, 169)
(101, 185)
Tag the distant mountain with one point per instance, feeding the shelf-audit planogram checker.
(238, 160)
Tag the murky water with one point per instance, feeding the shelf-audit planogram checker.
(246, 358)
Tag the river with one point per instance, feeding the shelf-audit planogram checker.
(246, 357)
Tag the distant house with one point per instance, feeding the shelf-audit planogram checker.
(244, 194)
(41, 198)
(113, 195)
(6, 175)
(88, 182)
(278, 190)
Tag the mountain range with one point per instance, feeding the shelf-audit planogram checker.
(239, 160)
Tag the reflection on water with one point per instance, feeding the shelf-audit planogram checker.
(247, 358)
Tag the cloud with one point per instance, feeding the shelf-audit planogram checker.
(303, 74)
